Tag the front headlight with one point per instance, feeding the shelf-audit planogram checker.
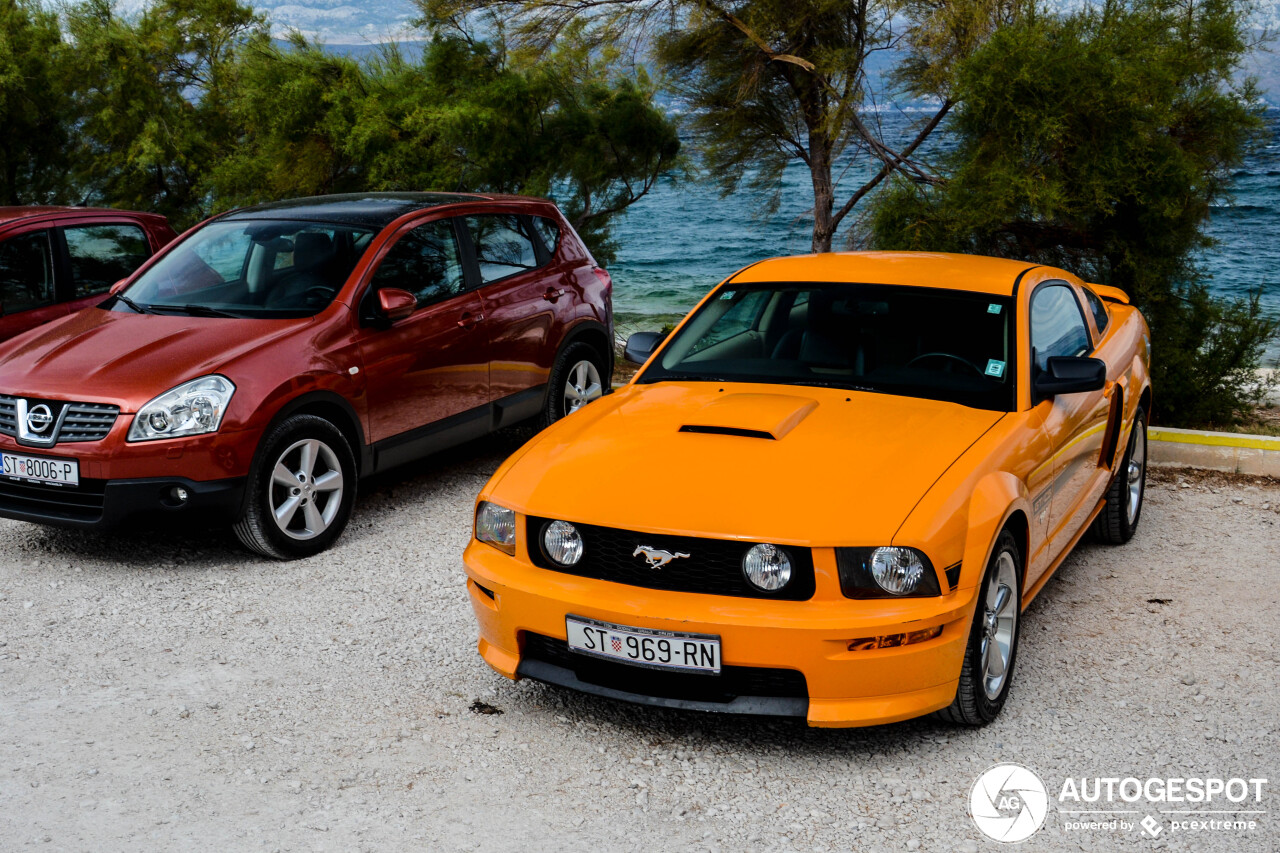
(886, 572)
(193, 408)
(496, 525)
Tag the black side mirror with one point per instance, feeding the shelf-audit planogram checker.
(1070, 375)
(641, 345)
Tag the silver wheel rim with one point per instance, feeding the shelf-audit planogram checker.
(582, 386)
(305, 492)
(999, 625)
(1137, 470)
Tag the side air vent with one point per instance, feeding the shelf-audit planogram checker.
(723, 430)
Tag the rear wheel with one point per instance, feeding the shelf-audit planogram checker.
(987, 671)
(578, 378)
(300, 491)
(1119, 518)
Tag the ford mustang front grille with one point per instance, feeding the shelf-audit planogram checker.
(710, 566)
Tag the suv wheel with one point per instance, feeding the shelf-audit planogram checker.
(300, 490)
(576, 380)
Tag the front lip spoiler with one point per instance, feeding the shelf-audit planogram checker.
(766, 706)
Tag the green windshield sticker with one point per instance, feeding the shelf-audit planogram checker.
(728, 294)
(994, 308)
(995, 368)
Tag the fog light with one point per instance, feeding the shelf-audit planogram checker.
(562, 543)
(890, 641)
(767, 567)
(179, 494)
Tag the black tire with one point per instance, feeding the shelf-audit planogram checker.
(973, 704)
(1119, 518)
(257, 527)
(563, 375)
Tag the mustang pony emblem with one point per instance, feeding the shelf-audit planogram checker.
(656, 557)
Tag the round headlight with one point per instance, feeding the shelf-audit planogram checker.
(898, 571)
(562, 542)
(767, 567)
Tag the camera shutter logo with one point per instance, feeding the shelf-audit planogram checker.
(1008, 803)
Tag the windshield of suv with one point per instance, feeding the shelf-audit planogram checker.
(910, 341)
(258, 268)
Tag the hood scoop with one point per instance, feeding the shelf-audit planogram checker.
(768, 416)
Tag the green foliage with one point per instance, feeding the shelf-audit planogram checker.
(1098, 141)
(35, 106)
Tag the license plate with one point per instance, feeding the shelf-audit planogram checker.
(56, 472)
(644, 647)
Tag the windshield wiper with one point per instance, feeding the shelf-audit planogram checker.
(135, 306)
(200, 311)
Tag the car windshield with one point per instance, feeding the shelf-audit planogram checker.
(270, 269)
(935, 343)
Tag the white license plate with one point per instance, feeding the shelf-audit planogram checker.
(644, 647)
(58, 472)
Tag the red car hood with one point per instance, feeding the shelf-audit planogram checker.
(127, 359)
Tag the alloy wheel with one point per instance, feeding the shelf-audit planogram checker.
(999, 625)
(1136, 475)
(582, 386)
(306, 486)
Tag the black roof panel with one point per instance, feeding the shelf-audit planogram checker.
(371, 210)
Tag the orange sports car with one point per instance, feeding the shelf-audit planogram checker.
(829, 493)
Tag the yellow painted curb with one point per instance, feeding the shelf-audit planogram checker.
(1214, 439)
(1218, 451)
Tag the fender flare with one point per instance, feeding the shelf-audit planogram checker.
(330, 400)
(996, 499)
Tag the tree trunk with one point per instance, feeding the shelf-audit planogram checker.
(824, 196)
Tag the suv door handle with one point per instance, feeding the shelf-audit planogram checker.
(551, 294)
(469, 320)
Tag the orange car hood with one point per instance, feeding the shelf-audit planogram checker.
(786, 464)
(123, 358)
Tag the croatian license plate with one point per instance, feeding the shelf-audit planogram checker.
(644, 647)
(56, 472)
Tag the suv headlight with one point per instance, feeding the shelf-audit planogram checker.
(888, 572)
(192, 408)
(496, 525)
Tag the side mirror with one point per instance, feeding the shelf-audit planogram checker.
(641, 345)
(117, 287)
(1070, 375)
(395, 304)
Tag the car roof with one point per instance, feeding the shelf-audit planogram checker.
(995, 276)
(18, 213)
(371, 210)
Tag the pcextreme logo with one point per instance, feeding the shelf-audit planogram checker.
(1008, 803)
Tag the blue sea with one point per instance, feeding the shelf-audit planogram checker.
(681, 239)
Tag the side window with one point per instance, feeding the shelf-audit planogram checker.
(548, 230)
(1057, 326)
(1099, 310)
(503, 245)
(26, 273)
(424, 262)
(101, 255)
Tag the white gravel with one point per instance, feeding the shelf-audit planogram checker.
(162, 690)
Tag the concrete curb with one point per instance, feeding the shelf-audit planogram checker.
(1217, 451)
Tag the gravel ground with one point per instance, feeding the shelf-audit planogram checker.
(161, 690)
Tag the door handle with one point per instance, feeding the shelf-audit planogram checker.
(469, 320)
(551, 294)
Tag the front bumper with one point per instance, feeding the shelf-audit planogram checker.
(515, 602)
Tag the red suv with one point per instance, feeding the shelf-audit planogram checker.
(57, 260)
(272, 356)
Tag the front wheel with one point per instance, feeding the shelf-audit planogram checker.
(577, 378)
(300, 490)
(989, 658)
(1118, 520)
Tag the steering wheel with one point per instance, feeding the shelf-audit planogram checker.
(952, 356)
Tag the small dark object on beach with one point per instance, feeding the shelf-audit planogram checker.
(478, 707)
(1149, 601)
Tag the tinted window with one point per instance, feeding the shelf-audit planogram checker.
(548, 230)
(909, 341)
(503, 245)
(1057, 326)
(424, 262)
(261, 268)
(1099, 310)
(101, 255)
(26, 272)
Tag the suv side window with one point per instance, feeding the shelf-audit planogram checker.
(1099, 310)
(26, 273)
(425, 262)
(548, 230)
(101, 255)
(1057, 324)
(503, 245)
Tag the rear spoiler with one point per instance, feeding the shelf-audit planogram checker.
(1109, 293)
